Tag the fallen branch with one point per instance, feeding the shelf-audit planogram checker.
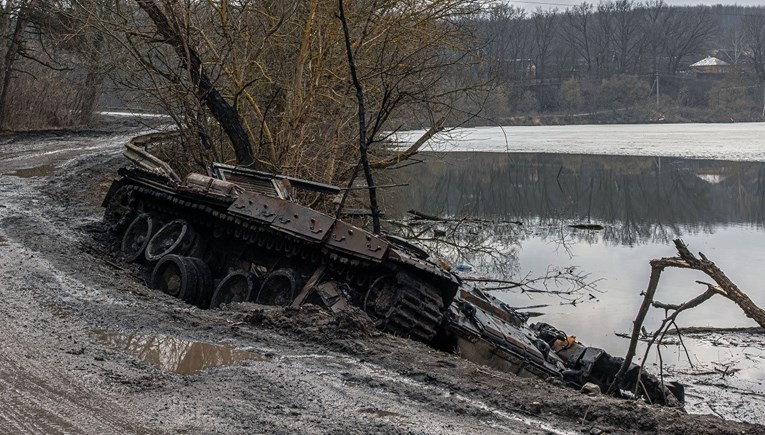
(428, 217)
(685, 260)
(412, 150)
(711, 330)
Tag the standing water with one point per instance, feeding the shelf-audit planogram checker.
(642, 202)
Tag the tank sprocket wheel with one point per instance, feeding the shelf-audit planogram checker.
(137, 236)
(405, 306)
(121, 209)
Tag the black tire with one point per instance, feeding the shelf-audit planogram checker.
(175, 276)
(279, 288)
(175, 237)
(204, 283)
(137, 237)
(235, 287)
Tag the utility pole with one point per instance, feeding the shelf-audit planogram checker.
(657, 90)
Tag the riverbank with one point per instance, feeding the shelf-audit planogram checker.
(66, 295)
(648, 114)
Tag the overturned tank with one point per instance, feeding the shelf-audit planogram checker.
(236, 234)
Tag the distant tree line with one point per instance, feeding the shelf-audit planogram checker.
(282, 70)
(607, 55)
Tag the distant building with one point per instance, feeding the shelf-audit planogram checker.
(710, 68)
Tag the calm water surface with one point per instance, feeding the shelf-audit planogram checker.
(716, 207)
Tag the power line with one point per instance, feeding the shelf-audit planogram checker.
(733, 14)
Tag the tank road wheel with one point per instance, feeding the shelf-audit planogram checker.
(137, 236)
(279, 288)
(175, 237)
(405, 305)
(204, 289)
(174, 275)
(121, 209)
(235, 287)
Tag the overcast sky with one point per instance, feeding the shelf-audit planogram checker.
(562, 4)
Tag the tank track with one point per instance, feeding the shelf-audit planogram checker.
(417, 314)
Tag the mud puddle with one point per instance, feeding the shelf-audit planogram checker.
(34, 172)
(174, 354)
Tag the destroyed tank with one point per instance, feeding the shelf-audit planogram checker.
(236, 235)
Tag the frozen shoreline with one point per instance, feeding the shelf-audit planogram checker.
(740, 141)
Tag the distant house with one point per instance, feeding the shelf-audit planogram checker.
(710, 67)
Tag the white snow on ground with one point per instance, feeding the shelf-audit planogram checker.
(739, 141)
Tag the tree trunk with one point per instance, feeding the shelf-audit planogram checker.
(223, 112)
(363, 140)
(11, 55)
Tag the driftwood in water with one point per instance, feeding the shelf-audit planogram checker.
(428, 217)
(685, 260)
(593, 227)
(412, 150)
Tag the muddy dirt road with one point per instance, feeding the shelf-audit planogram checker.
(87, 348)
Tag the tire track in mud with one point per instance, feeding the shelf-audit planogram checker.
(39, 393)
(43, 387)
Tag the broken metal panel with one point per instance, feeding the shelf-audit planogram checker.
(143, 160)
(331, 296)
(498, 309)
(491, 351)
(353, 240)
(285, 216)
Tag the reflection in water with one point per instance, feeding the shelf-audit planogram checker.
(37, 171)
(640, 199)
(643, 202)
(486, 246)
(717, 207)
(174, 354)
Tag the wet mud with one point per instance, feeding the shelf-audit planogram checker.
(90, 349)
(174, 354)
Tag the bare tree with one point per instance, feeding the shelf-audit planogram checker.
(14, 46)
(627, 38)
(576, 30)
(544, 23)
(171, 28)
(686, 34)
(754, 29)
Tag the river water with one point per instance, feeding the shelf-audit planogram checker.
(645, 184)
